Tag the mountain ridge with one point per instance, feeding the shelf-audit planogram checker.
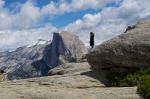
(36, 60)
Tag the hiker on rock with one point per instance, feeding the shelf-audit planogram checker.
(91, 39)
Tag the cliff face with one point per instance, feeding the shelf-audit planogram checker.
(57, 52)
(65, 47)
(26, 62)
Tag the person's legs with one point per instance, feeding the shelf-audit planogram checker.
(92, 46)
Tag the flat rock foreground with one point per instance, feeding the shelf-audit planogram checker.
(80, 83)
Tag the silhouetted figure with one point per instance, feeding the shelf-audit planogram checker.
(129, 28)
(91, 39)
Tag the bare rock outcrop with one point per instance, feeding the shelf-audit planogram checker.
(70, 68)
(81, 84)
(128, 50)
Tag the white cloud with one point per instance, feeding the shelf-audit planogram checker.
(28, 16)
(16, 38)
(102, 28)
(75, 5)
(133, 10)
(111, 21)
(87, 22)
(17, 26)
(2, 3)
(106, 24)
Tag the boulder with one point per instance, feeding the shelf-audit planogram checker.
(70, 68)
(128, 50)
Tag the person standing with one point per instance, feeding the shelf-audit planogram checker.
(91, 39)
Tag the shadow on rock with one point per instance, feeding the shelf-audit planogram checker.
(98, 75)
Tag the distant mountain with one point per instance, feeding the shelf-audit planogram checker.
(18, 63)
(34, 61)
(65, 47)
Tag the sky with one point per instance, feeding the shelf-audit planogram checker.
(24, 22)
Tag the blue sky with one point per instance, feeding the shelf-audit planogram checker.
(65, 19)
(30, 20)
(58, 20)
